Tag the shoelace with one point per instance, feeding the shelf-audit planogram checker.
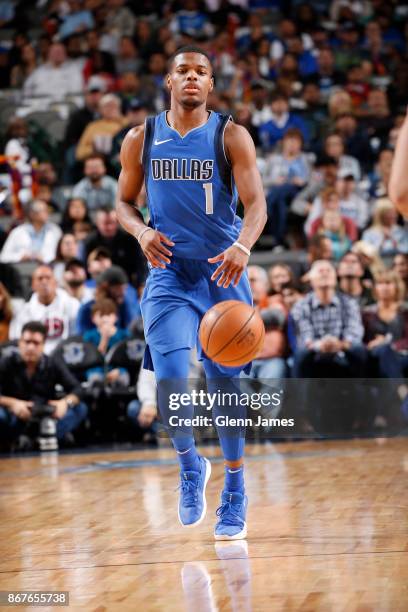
(228, 514)
(189, 492)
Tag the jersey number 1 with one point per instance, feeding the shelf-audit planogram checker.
(209, 209)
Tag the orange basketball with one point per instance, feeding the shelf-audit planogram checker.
(232, 333)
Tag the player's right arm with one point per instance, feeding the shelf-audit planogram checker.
(398, 186)
(130, 185)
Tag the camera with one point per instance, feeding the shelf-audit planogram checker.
(47, 426)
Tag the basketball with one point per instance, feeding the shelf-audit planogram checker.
(232, 333)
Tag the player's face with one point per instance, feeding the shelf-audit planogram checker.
(190, 80)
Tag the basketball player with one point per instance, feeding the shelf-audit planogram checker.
(193, 161)
(398, 186)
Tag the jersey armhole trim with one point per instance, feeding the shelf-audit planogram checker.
(147, 142)
(224, 164)
(226, 121)
(143, 144)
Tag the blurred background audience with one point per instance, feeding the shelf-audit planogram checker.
(321, 87)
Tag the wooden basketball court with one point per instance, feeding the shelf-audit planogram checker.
(328, 530)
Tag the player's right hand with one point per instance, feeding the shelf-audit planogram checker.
(152, 244)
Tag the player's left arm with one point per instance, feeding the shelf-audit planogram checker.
(398, 185)
(240, 150)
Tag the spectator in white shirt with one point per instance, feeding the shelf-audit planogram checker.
(35, 240)
(57, 78)
(51, 306)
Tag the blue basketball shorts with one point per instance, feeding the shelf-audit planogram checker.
(174, 301)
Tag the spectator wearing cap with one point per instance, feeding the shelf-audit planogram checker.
(96, 188)
(74, 281)
(97, 136)
(111, 284)
(352, 205)
(55, 79)
(271, 132)
(51, 306)
(124, 249)
(136, 113)
(34, 240)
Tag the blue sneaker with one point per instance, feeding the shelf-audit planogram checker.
(192, 503)
(231, 513)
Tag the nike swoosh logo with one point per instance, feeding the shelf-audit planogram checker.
(159, 142)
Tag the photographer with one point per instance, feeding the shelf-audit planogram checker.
(27, 385)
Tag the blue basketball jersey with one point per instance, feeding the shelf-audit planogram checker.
(191, 193)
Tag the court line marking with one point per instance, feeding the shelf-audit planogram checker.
(249, 558)
(101, 465)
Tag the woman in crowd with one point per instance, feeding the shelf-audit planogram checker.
(76, 210)
(67, 249)
(386, 327)
(279, 275)
(385, 235)
(386, 337)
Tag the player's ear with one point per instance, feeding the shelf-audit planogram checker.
(168, 82)
(212, 83)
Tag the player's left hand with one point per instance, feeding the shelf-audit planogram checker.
(234, 262)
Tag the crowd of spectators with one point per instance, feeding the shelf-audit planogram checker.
(321, 87)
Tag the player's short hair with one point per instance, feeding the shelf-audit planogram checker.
(104, 306)
(35, 327)
(188, 49)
